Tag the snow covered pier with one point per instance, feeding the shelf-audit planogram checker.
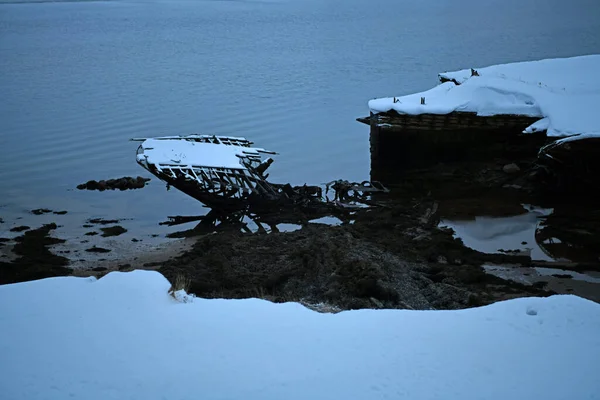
(475, 113)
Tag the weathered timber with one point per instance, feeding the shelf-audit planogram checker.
(399, 142)
(571, 166)
(228, 175)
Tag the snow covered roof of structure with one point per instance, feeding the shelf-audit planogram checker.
(564, 93)
(123, 336)
(198, 151)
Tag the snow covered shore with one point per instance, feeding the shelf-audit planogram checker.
(124, 337)
(563, 93)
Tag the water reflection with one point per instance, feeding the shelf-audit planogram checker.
(515, 234)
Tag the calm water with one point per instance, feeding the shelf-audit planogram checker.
(79, 79)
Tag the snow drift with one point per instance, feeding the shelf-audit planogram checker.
(124, 337)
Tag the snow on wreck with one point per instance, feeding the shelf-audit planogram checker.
(218, 171)
(551, 98)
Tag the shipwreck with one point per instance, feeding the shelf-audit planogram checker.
(228, 175)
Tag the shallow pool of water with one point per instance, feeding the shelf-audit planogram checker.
(510, 235)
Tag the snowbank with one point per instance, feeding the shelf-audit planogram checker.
(123, 337)
(564, 93)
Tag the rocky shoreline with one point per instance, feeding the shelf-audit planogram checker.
(391, 256)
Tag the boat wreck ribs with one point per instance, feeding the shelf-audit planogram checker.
(228, 175)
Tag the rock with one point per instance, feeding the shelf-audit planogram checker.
(442, 260)
(511, 168)
(124, 183)
(100, 221)
(97, 250)
(20, 228)
(124, 266)
(41, 211)
(113, 231)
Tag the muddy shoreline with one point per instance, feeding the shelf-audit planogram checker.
(391, 256)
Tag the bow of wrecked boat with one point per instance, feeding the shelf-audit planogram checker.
(224, 173)
(228, 175)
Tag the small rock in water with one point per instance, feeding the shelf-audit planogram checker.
(20, 228)
(511, 168)
(113, 231)
(40, 211)
(59, 212)
(100, 221)
(114, 184)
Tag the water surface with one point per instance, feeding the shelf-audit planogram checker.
(79, 79)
